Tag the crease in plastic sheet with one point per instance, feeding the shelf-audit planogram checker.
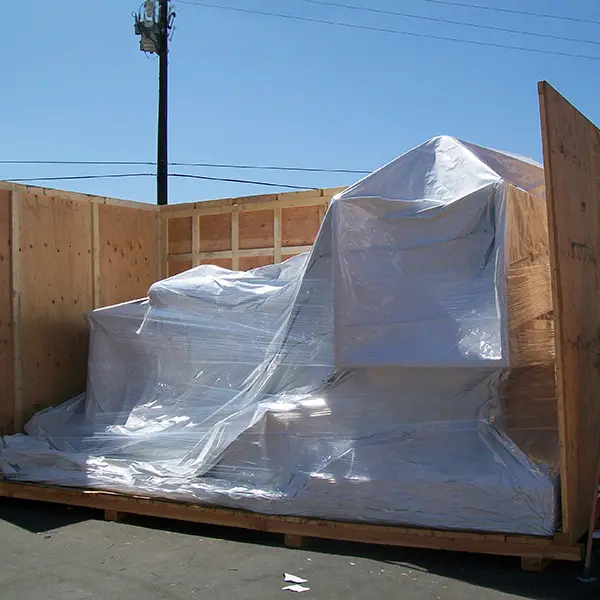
(369, 380)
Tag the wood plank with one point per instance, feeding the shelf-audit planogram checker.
(235, 241)
(252, 262)
(226, 263)
(96, 271)
(300, 225)
(522, 546)
(180, 235)
(129, 255)
(177, 266)
(277, 234)
(76, 196)
(215, 232)
(572, 169)
(257, 229)
(6, 318)
(54, 290)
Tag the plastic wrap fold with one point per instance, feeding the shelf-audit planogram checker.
(369, 380)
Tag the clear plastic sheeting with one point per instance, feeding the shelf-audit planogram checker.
(362, 381)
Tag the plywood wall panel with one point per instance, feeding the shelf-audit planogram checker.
(6, 330)
(218, 262)
(299, 225)
(572, 169)
(55, 289)
(180, 235)
(129, 253)
(256, 229)
(252, 262)
(178, 266)
(215, 232)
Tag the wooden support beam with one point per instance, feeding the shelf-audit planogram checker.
(277, 234)
(15, 237)
(235, 241)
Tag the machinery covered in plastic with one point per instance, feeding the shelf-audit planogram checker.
(365, 381)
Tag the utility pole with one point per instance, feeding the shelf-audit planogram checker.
(153, 23)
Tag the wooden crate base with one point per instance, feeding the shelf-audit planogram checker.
(535, 552)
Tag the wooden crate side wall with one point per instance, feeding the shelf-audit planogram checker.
(6, 330)
(52, 271)
(129, 253)
(242, 233)
(572, 167)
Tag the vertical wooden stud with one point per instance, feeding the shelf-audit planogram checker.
(195, 239)
(15, 240)
(235, 239)
(277, 235)
(322, 211)
(161, 274)
(96, 292)
(165, 245)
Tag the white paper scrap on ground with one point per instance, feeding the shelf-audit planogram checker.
(293, 578)
(296, 588)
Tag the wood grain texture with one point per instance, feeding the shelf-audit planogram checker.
(508, 545)
(218, 262)
(252, 262)
(177, 266)
(257, 229)
(180, 235)
(129, 253)
(572, 168)
(215, 232)
(55, 289)
(299, 225)
(6, 318)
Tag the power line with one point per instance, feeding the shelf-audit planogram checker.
(183, 175)
(451, 22)
(181, 164)
(71, 177)
(511, 11)
(393, 31)
(291, 187)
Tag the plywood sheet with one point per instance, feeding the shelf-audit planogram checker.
(572, 167)
(299, 225)
(6, 332)
(215, 232)
(252, 262)
(177, 266)
(129, 253)
(180, 235)
(257, 229)
(219, 262)
(55, 289)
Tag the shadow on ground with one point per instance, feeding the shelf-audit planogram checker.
(559, 582)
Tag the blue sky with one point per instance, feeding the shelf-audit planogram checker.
(252, 89)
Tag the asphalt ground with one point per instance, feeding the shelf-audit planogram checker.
(54, 552)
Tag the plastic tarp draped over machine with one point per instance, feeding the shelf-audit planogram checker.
(358, 382)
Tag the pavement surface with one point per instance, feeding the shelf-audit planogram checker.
(52, 552)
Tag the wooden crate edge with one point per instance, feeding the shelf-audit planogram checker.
(115, 503)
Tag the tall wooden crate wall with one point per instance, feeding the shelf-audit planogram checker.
(242, 233)
(61, 255)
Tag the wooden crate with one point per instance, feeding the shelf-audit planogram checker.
(241, 233)
(113, 257)
(61, 255)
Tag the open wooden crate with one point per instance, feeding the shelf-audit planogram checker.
(63, 254)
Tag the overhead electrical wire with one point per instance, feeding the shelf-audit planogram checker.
(449, 21)
(181, 164)
(511, 11)
(182, 175)
(388, 30)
